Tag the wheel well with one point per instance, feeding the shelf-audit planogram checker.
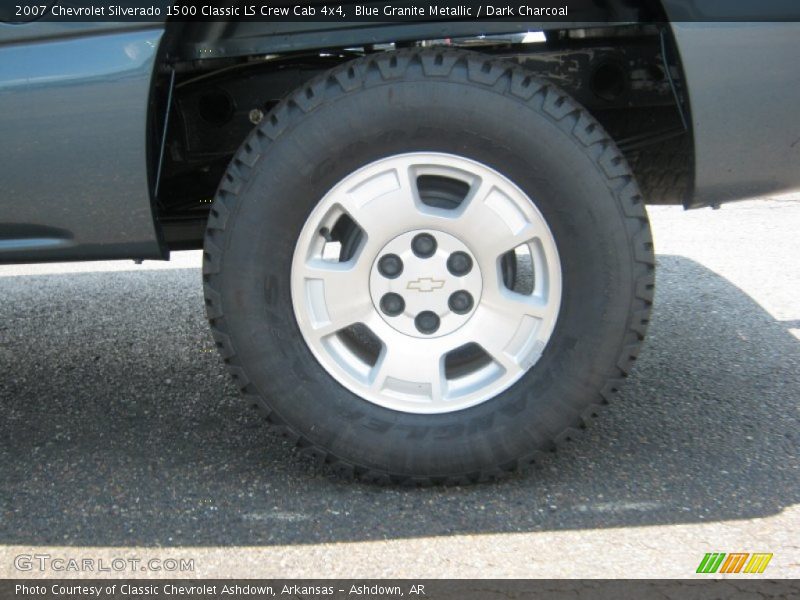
(628, 76)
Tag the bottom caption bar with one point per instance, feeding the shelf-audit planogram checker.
(429, 589)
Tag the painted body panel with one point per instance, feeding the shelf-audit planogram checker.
(73, 151)
(744, 93)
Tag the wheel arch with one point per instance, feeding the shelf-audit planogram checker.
(189, 48)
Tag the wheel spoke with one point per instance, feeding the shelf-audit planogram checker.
(504, 325)
(493, 216)
(337, 295)
(384, 204)
(503, 244)
(411, 369)
(503, 301)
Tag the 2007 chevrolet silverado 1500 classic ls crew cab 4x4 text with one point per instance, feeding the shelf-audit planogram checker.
(426, 251)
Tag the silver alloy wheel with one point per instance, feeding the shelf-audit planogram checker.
(468, 323)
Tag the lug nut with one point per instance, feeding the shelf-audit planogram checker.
(459, 263)
(392, 304)
(390, 266)
(460, 302)
(427, 322)
(423, 245)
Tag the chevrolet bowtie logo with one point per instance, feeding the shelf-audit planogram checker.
(425, 284)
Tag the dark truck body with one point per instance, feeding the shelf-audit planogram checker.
(85, 162)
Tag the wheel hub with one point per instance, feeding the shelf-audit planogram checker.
(425, 283)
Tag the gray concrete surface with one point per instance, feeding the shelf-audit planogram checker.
(122, 435)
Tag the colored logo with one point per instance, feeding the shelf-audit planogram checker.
(425, 284)
(735, 562)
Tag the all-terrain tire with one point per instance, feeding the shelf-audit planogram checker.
(436, 100)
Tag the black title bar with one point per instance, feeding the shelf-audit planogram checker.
(20, 12)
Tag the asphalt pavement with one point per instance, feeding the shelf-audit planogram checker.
(123, 435)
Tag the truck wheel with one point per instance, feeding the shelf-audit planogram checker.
(428, 266)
